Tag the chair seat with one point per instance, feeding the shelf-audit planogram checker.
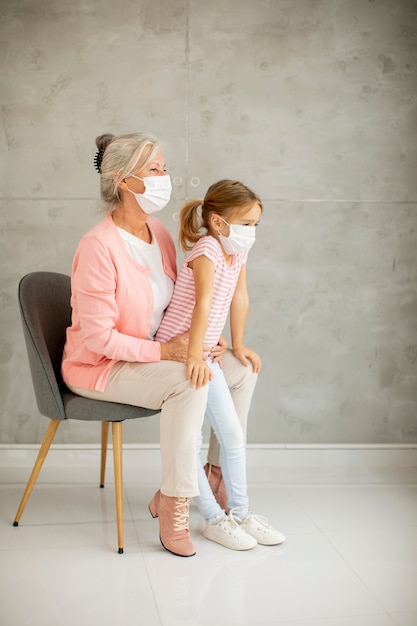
(79, 408)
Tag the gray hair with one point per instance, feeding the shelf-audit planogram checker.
(122, 156)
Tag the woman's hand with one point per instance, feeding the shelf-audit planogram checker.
(176, 349)
(217, 352)
(198, 372)
(246, 355)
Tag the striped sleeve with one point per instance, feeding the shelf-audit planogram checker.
(206, 246)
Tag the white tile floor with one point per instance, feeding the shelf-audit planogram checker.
(350, 558)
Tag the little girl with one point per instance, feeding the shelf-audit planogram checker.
(210, 285)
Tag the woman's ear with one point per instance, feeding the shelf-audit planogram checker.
(122, 183)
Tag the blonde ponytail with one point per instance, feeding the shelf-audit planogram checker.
(191, 225)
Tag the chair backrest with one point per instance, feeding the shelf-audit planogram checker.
(44, 300)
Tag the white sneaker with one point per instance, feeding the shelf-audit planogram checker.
(258, 527)
(230, 534)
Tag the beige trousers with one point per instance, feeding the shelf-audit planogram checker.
(164, 386)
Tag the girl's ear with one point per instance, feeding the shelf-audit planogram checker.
(215, 221)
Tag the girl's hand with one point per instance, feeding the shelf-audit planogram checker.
(198, 372)
(246, 355)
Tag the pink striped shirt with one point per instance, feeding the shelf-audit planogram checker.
(177, 318)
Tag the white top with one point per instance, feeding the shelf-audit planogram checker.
(149, 255)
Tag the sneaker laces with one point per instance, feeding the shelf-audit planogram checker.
(260, 519)
(224, 520)
(234, 518)
(231, 521)
(256, 518)
(181, 508)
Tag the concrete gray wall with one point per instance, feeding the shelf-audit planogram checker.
(310, 102)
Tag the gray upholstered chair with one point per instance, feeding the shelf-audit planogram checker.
(44, 300)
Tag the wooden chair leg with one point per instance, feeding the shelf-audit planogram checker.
(118, 480)
(46, 443)
(104, 439)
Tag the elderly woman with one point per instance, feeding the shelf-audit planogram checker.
(122, 280)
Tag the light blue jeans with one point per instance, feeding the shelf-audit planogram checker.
(224, 420)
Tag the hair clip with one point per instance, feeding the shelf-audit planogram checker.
(98, 159)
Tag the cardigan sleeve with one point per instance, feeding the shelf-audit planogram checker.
(105, 329)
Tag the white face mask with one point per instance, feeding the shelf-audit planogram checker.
(156, 195)
(240, 239)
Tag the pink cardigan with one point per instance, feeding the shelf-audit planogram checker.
(112, 302)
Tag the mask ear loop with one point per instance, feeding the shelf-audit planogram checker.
(214, 225)
(227, 224)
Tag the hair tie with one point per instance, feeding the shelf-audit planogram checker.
(98, 159)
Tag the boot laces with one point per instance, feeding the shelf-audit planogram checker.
(218, 478)
(181, 509)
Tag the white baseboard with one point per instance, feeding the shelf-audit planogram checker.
(266, 463)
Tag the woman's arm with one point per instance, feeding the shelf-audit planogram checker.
(197, 369)
(106, 322)
(239, 308)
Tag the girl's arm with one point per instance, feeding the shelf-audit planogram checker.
(197, 369)
(239, 308)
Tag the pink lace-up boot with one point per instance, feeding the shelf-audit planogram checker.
(173, 523)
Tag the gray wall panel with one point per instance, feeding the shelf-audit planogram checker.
(312, 103)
